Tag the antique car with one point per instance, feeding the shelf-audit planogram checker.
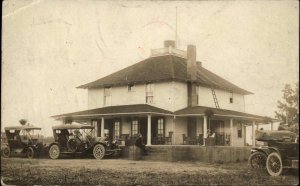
(76, 138)
(281, 151)
(23, 140)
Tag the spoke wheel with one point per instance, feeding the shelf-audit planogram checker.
(274, 164)
(54, 151)
(257, 160)
(98, 151)
(30, 153)
(72, 145)
(6, 152)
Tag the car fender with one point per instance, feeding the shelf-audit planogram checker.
(264, 150)
(102, 143)
(47, 146)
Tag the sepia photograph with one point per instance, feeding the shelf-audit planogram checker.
(149, 92)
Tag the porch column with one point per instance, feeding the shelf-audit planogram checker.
(102, 127)
(231, 132)
(149, 130)
(204, 129)
(253, 134)
(272, 125)
(173, 137)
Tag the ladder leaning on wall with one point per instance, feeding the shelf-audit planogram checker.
(215, 97)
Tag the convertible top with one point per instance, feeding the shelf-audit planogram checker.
(22, 128)
(72, 126)
(271, 135)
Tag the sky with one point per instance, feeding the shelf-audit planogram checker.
(51, 47)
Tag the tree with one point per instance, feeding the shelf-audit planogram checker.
(288, 108)
(23, 121)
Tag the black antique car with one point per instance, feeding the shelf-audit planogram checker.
(76, 138)
(281, 150)
(23, 140)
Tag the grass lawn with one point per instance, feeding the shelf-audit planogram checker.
(21, 171)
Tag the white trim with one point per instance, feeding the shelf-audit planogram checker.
(237, 116)
(84, 115)
(183, 115)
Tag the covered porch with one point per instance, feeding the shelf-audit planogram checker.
(126, 121)
(196, 125)
(208, 126)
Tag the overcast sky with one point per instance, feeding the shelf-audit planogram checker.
(51, 47)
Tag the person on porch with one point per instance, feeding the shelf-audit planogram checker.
(139, 143)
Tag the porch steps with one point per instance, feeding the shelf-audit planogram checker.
(215, 97)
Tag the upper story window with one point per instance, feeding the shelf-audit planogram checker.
(116, 130)
(149, 92)
(231, 97)
(134, 127)
(239, 130)
(107, 96)
(130, 87)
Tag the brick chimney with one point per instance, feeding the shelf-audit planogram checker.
(169, 43)
(192, 76)
(191, 62)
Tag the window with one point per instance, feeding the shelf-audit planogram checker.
(116, 130)
(231, 97)
(239, 130)
(197, 94)
(107, 96)
(160, 127)
(130, 87)
(149, 93)
(134, 127)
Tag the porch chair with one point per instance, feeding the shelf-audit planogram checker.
(200, 139)
(160, 139)
(169, 138)
(185, 139)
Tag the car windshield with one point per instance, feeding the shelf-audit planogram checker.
(31, 134)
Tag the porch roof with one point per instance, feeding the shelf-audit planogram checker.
(202, 111)
(118, 110)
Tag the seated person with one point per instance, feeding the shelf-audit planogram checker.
(63, 137)
(139, 143)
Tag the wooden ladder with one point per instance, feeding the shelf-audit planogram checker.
(215, 97)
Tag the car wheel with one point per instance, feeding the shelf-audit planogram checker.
(274, 164)
(54, 151)
(6, 152)
(98, 151)
(30, 153)
(72, 145)
(257, 160)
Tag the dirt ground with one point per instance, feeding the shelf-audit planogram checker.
(21, 171)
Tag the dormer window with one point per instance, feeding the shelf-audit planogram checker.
(231, 97)
(107, 96)
(149, 93)
(130, 87)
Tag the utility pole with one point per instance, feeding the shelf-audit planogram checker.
(176, 30)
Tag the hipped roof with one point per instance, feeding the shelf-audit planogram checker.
(201, 110)
(118, 110)
(164, 68)
(144, 109)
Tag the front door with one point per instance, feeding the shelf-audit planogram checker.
(192, 128)
(217, 127)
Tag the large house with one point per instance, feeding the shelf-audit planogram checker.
(170, 98)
